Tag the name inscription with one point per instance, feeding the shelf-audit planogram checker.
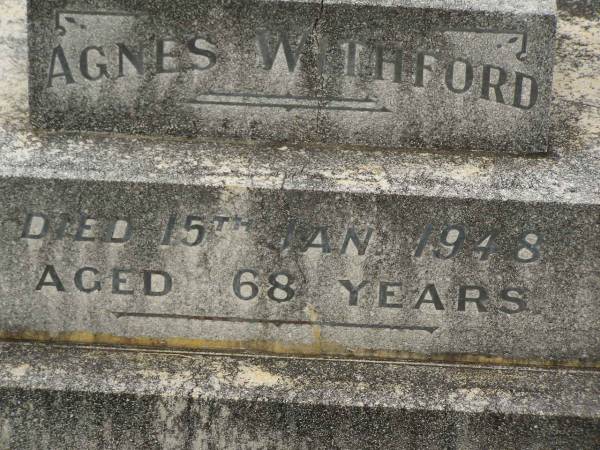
(394, 76)
(373, 62)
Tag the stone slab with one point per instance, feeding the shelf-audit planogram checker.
(396, 194)
(73, 398)
(284, 269)
(453, 75)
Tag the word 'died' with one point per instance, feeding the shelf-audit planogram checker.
(293, 54)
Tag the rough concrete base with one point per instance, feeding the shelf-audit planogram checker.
(74, 398)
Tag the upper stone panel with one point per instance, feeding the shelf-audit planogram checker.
(402, 74)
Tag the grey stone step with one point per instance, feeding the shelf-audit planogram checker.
(73, 398)
(113, 240)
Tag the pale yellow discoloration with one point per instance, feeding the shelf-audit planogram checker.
(583, 83)
(313, 315)
(255, 376)
(13, 79)
(20, 371)
(322, 348)
(590, 121)
(577, 73)
(465, 171)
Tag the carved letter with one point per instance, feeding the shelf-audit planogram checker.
(430, 295)
(167, 283)
(53, 282)
(135, 58)
(111, 235)
(161, 56)
(463, 298)
(96, 286)
(268, 57)
(119, 278)
(487, 83)
(422, 66)
(59, 53)
(289, 237)
(384, 293)
(210, 56)
(353, 50)
(379, 61)
(515, 296)
(468, 76)
(29, 233)
(323, 245)
(85, 224)
(84, 64)
(533, 92)
(353, 290)
(361, 246)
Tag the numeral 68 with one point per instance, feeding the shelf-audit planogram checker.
(281, 290)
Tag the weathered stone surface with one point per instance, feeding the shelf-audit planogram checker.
(453, 75)
(271, 269)
(581, 7)
(73, 398)
(147, 181)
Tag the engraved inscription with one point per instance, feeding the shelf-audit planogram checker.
(283, 286)
(393, 75)
(372, 62)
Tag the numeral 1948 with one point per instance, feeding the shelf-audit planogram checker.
(451, 241)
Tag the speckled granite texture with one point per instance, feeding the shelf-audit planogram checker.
(338, 251)
(449, 75)
(74, 397)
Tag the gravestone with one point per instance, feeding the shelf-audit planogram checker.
(295, 271)
(453, 75)
(175, 286)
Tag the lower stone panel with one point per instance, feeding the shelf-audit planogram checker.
(300, 272)
(73, 398)
(75, 420)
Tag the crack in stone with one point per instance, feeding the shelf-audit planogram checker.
(581, 103)
(320, 69)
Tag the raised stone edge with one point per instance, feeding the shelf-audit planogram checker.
(331, 382)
